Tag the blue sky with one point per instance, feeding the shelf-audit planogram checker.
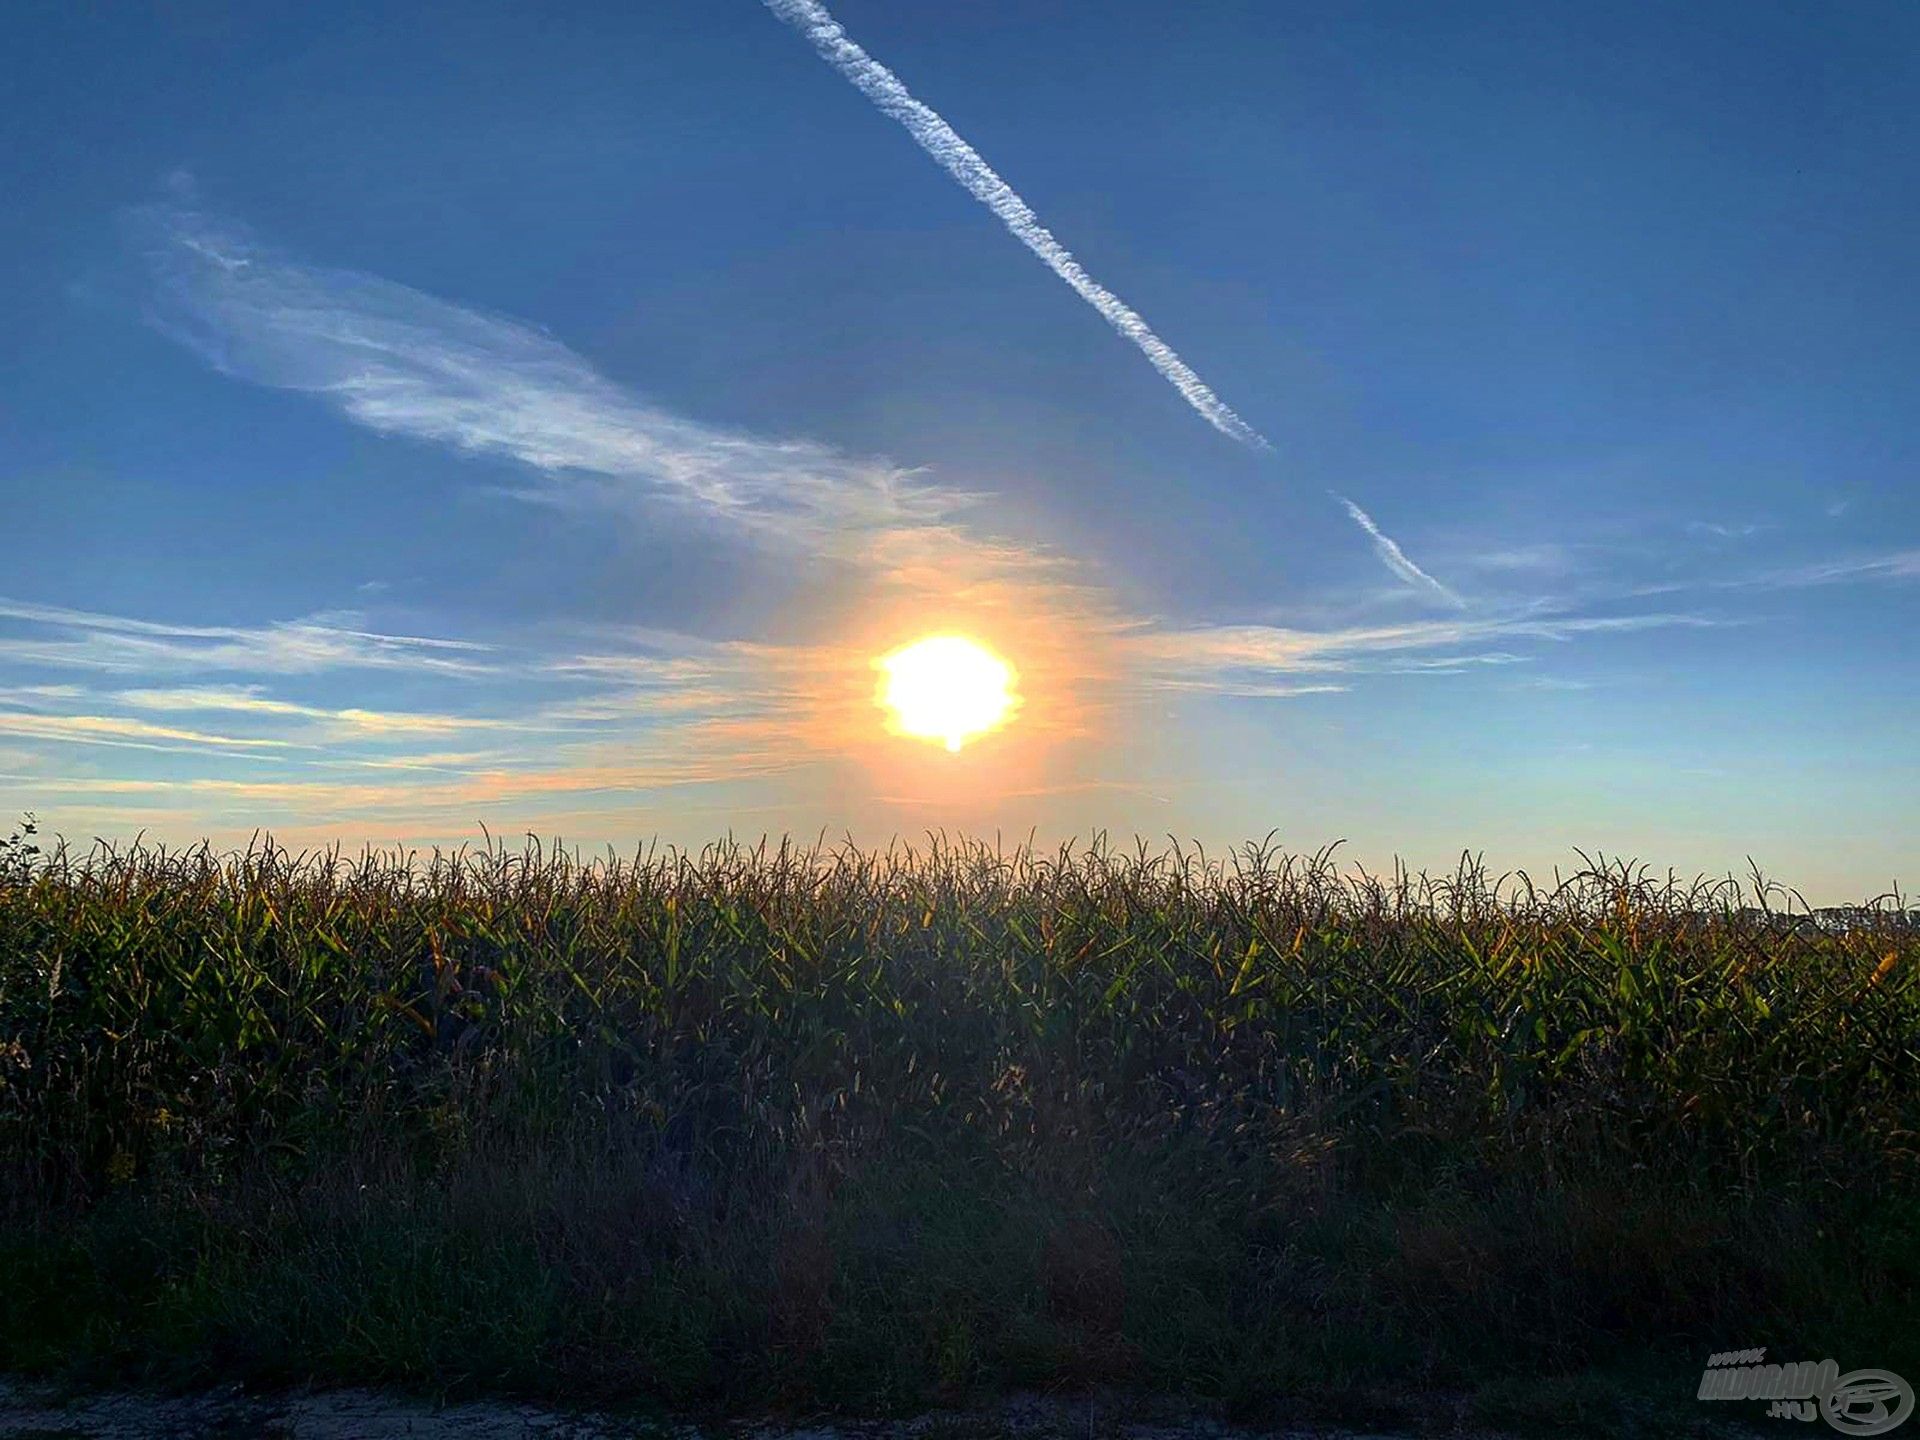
(482, 414)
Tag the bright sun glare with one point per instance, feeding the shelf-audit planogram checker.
(946, 688)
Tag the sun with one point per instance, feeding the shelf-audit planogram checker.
(947, 688)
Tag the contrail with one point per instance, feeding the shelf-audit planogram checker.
(1394, 558)
(963, 162)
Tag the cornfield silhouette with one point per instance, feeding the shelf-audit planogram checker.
(762, 1084)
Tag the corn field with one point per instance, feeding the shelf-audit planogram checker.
(152, 1002)
(1276, 1038)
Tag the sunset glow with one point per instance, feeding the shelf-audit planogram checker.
(947, 688)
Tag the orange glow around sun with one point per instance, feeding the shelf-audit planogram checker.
(946, 688)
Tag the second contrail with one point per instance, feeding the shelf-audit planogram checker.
(963, 162)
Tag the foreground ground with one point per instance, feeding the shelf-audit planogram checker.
(38, 1412)
(772, 1131)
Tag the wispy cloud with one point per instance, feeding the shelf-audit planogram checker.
(1228, 658)
(1542, 558)
(1726, 529)
(90, 640)
(960, 160)
(404, 363)
(108, 729)
(38, 697)
(1460, 664)
(1896, 565)
(1892, 566)
(351, 721)
(1215, 684)
(1394, 558)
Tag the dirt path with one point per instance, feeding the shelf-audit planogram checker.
(33, 1413)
